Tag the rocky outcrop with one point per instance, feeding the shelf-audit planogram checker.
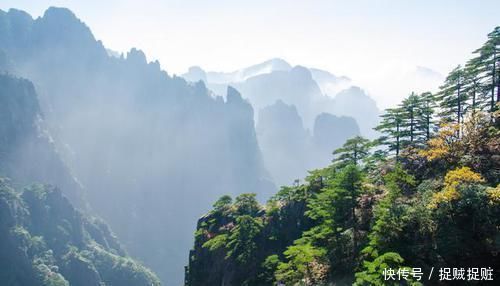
(27, 151)
(134, 136)
(45, 241)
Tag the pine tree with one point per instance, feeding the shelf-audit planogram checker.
(391, 126)
(353, 151)
(453, 97)
(472, 86)
(488, 61)
(410, 106)
(425, 115)
(335, 211)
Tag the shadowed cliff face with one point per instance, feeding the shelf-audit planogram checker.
(27, 152)
(151, 150)
(295, 86)
(329, 133)
(355, 103)
(312, 91)
(290, 150)
(285, 143)
(302, 114)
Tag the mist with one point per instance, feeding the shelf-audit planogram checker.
(260, 165)
(301, 114)
(142, 144)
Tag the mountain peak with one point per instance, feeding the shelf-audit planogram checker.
(136, 56)
(269, 66)
(195, 73)
(301, 72)
(60, 25)
(19, 13)
(60, 14)
(233, 95)
(278, 64)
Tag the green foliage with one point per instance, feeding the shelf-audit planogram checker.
(353, 151)
(453, 97)
(45, 241)
(270, 266)
(391, 127)
(47, 276)
(411, 124)
(241, 243)
(223, 203)
(373, 275)
(246, 204)
(436, 204)
(118, 270)
(300, 265)
(485, 66)
(217, 242)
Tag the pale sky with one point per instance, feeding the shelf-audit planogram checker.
(376, 43)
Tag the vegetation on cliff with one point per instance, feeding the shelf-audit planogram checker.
(45, 241)
(430, 198)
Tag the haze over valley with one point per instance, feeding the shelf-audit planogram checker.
(112, 166)
(125, 140)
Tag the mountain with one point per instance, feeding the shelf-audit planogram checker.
(354, 102)
(27, 151)
(329, 133)
(142, 143)
(296, 87)
(405, 203)
(429, 206)
(290, 150)
(285, 143)
(196, 73)
(311, 90)
(310, 93)
(45, 241)
(329, 83)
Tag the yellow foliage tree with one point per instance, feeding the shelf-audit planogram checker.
(494, 195)
(452, 180)
(443, 144)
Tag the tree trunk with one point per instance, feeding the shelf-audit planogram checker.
(459, 105)
(411, 125)
(428, 123)
(495, 76)
(459, 109)
(397, 141)
(498, 87)
(354, 227)
(474, 100)
(493, 79)
(355, 154)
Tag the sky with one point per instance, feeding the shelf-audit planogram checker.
(386, 47)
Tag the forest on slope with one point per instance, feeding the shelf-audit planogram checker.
(127, 141)
(120, 137)
(425, 194)
(44, 239)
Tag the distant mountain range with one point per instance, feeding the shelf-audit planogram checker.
(151, 151)
(289, 101)
(311, 90)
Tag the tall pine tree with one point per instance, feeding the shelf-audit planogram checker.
(488, 66)
(410, 106)
(353, 151)
(425, 116)
(391, 127)
(453, 97)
